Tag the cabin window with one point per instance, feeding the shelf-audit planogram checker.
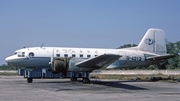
(81, 55)
(31, 54)
(57, 55)
(23, 54)
(65, 55)
(15, 53)
(95, 55)
(88, 56)
(73, 55)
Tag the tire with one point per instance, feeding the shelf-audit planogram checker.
(29, 80)
(73, 79)
(86, 81)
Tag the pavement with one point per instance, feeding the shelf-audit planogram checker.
(15, 88)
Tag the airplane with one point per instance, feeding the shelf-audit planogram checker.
(151, 50)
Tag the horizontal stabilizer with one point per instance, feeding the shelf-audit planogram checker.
(101, 61)
(161, 57)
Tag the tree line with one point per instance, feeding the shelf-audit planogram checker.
(173, 63)
(7, 67)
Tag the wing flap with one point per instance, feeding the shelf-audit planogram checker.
(101, 61)
(161, 57)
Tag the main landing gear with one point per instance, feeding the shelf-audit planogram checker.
(85, 79)
(73, 78)
(29, 80)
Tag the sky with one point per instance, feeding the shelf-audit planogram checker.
(83, 23)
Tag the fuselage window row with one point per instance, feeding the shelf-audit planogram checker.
(74, 55)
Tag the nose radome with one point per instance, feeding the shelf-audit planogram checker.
(7, 59)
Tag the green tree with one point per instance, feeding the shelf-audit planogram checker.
(7, 67)
(127, 46)
(173, 48)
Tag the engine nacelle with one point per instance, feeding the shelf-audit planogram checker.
(60, 65)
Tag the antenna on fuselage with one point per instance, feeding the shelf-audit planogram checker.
(42, 45)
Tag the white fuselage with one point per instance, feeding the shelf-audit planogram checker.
(42, 57)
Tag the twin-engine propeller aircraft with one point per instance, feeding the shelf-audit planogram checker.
(151, 50)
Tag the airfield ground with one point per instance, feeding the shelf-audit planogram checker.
(15, 88)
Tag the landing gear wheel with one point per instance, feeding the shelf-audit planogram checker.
(73, 79)
(86, 78)
(86, 81)
(29, 80)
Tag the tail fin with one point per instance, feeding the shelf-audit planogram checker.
(153, 41)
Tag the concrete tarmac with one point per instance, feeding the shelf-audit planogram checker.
(15, 88)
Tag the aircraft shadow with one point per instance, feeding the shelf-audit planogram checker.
(114, 84)
(118, 84)
(54, 82)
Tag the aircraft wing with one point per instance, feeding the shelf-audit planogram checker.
(161, 57)
(101, 61)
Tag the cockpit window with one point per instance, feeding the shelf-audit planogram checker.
(20, 54)
(31, 54)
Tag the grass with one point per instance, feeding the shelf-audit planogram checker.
(7, 74)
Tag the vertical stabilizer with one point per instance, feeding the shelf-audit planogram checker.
(153, 41)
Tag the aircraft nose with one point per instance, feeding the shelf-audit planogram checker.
(7, 59)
